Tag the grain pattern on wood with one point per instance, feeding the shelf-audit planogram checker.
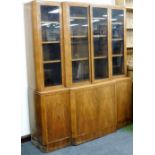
(124, 101)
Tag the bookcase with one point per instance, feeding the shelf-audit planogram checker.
(81, 73)
(128, 4)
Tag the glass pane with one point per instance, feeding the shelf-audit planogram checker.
(118, 41)
(79, 27)
(51, 51)
(79, 48)
(50, 31)
(118, 67)
(80, 70)
(99, 12)
(118, 24)
(100, 46)
(78, 11)
(100, 27)
(49, 13)
(118, 47)
(52, 74)
(101, 68)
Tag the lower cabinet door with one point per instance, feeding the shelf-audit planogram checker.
(124, 101)
(93, 112)
(57, 117)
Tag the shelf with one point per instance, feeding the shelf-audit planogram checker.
(79, 59)
(99, 18)
(50, 42)
(128, 47)
(129, 8)
(117, 55)
(117, 39)
(51, 61)
(116, 66)
(129, 28)
(117, 23)
(79, 36)
(100, 57)
(50, 22)
(78, 18)
(98, 36)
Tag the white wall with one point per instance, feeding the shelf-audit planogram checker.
(25, 72)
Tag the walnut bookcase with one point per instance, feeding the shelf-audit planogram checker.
(81, 73)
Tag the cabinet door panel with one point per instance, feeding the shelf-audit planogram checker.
(124, 101)
(58, 116)
(105, 98)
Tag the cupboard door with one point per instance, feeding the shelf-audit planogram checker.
(51, 44)
(57, 117)
(79, 36)
(100, 42)
(117, 42)
(124, 101)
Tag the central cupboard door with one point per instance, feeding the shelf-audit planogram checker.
(78, 41)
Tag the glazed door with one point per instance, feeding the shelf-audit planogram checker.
(99, 38)
(51, 44)
(118, 48)
(78, 42)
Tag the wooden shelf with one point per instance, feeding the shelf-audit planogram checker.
(79, 36)
(117, 23)
(129, 8)
(129, 28)
(128, 47)
(50, 42)
(117, 39)
(98, 36)
(79, 59)
(50, 22)
(51, 61)
(78, 18)
(117, 55)
(100, 57)
(116, 66)
(99, 18)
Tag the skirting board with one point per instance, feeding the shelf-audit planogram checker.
(25, 138)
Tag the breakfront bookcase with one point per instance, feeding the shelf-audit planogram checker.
(82, 91)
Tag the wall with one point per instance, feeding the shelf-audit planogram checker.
(27, 64)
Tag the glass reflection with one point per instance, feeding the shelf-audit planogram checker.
(79, 48)
(79, 27)
(80, 70)
(118, 65)
(101, 68)
(52, 74)
(50, 31)
(49, 13)
(78, 11)
(51, 52)
(100, 46)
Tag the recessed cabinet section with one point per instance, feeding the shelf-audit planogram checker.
(51, 44)
(117, 23)
(100, 42)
